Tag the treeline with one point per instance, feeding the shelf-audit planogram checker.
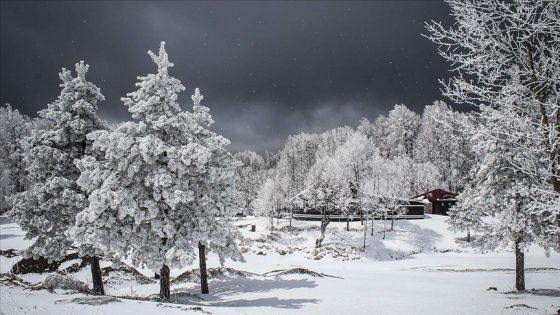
(399, 155)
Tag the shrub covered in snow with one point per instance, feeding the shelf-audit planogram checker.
(56, 281)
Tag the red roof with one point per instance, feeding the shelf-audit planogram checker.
(436, 194)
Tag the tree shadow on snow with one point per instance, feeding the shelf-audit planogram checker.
(5, 220)
(8, 236)
(268, 302)
(220, 289)
(237, 285)
(546, 292)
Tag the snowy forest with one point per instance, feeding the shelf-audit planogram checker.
(162, 189)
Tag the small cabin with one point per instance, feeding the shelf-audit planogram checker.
(437, 201)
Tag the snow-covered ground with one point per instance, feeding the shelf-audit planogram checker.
(419, 268)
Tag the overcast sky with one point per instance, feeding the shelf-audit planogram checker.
(266, 69)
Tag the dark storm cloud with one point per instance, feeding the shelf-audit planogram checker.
(267, 69)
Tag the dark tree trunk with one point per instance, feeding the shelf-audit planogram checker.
(96, 276)
(203, 271)
(551, 150)
(325, 220)
(348, 223)
(164, 289)
(365, 234)
(519, 268)
(361, 216)
(291, 215)
(271, 224)
(469, 236)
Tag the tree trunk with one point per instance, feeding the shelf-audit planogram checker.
(385, 225)
(271, 224)
(361, 216)
(96, 276)
(468, 236)
(325, 220)
(519, 268)
(365, 234)
(203, 271)
(348, 223)
(556, 188)
(164, 288)
(291, 215)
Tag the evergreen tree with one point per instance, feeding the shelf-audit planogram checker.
(162, 187)
(13, 128)
(214, 194)
(48, 208)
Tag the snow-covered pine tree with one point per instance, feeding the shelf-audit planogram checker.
(48, 208)
(161, 187)
(214, 194)
(13, 128)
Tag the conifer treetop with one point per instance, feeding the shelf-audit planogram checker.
(161, 60)
(201, 112)
(156, 95)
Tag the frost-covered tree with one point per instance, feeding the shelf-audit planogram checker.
(161, 187)
(507, 54)
(443, 142)
(271, 199)
(330, 140)
(353, 157)
(296, 158)
(13, 128)
(48, 207)
(214, 193)
(401, 127)
(498, 201)
(327, 191)
(250, 177)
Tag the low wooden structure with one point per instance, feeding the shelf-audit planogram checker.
(437, 201)
(411, 210)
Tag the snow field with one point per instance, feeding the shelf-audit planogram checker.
(417, 269)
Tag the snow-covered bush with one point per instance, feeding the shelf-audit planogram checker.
(57, 281)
